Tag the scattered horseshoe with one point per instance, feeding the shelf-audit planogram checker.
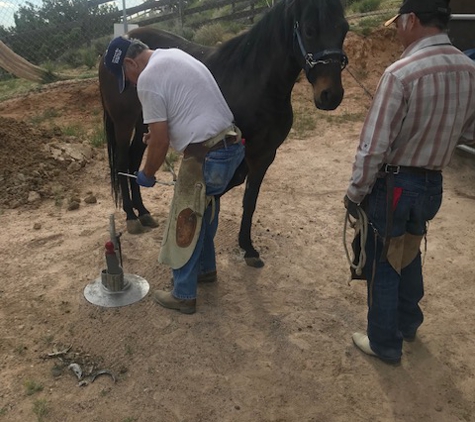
(76, 369)
(102, 372)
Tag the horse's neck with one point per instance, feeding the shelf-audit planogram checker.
(265, 52)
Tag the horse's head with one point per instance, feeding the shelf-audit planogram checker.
(320, 28)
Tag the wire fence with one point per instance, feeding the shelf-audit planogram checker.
(73, 32)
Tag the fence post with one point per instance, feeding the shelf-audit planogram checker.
(124, 15)
(251, 17)
(180, 13)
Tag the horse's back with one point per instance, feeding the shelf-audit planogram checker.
(158, 38)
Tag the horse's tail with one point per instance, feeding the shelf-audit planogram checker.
(112, 153)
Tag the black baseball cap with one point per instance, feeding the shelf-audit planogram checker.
(114, 59)
(422, 6)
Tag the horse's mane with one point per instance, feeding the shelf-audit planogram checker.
(257, 39)
(276, 24)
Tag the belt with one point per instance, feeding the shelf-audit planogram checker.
(200, 149)
(418, 171)
(227, 141)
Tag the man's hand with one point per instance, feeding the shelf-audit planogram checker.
(144, 180)
(351, 206)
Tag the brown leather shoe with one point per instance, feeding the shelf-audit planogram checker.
(167, 300)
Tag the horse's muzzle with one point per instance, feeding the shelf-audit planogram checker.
(329, 99)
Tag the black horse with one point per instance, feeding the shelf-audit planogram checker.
(256, 72)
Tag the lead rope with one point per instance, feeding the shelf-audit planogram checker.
(361, 225)
(366, 90)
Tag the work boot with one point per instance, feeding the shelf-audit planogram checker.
(167, 300)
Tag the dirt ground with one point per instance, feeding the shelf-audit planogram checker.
(271, 344)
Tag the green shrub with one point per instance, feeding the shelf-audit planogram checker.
(209, 34)
(98, 137)
(32, 387)
(90, 57)
(365, 6)
(71, 58)
(40, 409)
(367, 25)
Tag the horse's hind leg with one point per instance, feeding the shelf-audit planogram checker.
(257, 171)
(136, 151)
(238, 178)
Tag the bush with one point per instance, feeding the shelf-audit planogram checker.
(71, 57)
(209, 34)
(365, 6)
(90, 57)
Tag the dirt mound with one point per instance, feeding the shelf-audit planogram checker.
(37, 163)
(370, 55)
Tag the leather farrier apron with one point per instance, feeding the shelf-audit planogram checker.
(190, 200)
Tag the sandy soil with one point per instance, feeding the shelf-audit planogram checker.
(272, 344)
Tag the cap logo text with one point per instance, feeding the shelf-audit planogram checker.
(117, 55)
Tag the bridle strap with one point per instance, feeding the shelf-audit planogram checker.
(322, 57)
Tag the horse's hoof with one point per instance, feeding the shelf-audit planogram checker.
(135, 227)
(255, 262)
(148, 221)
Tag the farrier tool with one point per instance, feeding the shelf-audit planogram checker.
(134, 176)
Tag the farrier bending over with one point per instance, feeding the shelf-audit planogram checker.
(185, 109)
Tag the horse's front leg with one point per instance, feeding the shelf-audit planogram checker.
(257, 171)
(136, 151)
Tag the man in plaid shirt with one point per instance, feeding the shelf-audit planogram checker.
(423, 107)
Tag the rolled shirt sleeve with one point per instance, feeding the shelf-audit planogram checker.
(381, 127)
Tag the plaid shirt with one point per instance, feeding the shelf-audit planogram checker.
(423, 107)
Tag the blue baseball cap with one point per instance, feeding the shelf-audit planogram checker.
(114, 59)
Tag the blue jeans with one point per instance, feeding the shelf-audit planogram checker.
(218, 170)
(393, 299)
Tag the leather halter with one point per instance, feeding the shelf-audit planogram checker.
(322, 57)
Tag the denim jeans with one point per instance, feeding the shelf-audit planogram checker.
(393, 299)
(218, 170)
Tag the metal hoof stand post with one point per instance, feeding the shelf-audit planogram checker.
(114, 288)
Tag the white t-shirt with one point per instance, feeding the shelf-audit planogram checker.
(177, 88)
